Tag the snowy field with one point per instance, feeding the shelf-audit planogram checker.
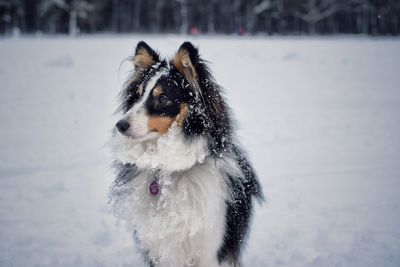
(320, 118)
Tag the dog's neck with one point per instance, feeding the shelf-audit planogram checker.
(168, 153)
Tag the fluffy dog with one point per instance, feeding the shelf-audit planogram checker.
(183, 184)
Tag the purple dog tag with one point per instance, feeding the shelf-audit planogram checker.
(154, 188)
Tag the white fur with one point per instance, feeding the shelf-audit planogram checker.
(184, 224)
(170, 152)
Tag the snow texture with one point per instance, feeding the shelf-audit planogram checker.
(320, 118)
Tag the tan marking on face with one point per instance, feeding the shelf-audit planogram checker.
(160, 124)
(143, 59)
(157, 91)
(182, 114)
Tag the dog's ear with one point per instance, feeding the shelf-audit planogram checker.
(186, 61)
(145, 56)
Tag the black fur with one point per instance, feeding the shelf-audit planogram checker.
(239, 209)
(171, 90)
(209, 114)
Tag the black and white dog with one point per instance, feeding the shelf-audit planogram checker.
(184, 185)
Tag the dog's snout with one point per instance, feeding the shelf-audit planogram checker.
(122, 126)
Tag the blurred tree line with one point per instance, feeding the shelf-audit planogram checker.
(374, 17)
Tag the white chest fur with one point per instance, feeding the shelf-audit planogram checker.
(170, 152)
(184, 224)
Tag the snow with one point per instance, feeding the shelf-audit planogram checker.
(320, 118)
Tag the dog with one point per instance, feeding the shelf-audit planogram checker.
(183, 184)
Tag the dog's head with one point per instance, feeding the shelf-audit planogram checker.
(179, 93)
(157, 95)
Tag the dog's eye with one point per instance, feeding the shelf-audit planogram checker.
(163, 99)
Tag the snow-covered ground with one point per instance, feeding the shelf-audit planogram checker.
(320, 118)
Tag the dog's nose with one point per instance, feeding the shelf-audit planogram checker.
(122, 126)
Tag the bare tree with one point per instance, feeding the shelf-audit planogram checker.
(224, 16)
(184, 12)
(210, 16)
(76, 9)
(12, 16)
(136, 15)
(313, 11)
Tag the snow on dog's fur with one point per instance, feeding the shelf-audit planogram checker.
(183, 185)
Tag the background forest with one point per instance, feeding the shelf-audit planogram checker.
(373, 17)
